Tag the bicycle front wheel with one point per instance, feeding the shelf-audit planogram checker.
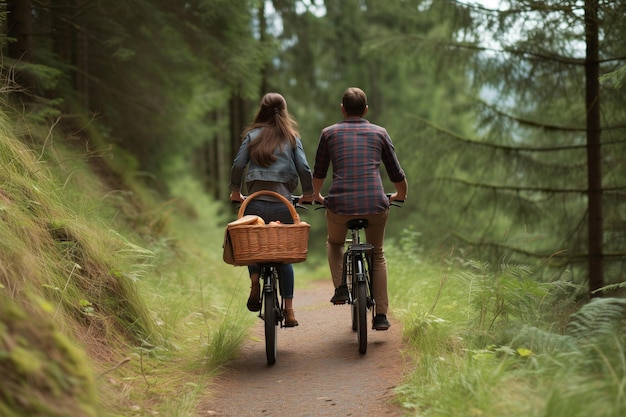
(271, 322)
(361, 313)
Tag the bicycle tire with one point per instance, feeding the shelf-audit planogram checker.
(351, 281)
(361, 307)
(271, 322)
(353, 307)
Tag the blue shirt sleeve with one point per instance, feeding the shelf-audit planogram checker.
(239, 164)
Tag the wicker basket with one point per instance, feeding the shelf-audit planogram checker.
(269, 243)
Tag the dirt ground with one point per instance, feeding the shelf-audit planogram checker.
(318, 369)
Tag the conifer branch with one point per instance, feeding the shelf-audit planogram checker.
(475, 142)
(562, 254)
(519, 148)
(519, 189)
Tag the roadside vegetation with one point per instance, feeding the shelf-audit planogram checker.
(134, 311)
(114, 301)
(494, 340)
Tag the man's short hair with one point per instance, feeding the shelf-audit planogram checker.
(354, 101)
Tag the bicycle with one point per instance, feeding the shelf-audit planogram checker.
(357, 277)
(271, 297)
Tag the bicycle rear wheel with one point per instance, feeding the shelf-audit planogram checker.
(271, 321)
(351, 281)
(361, 309)
(353, 307)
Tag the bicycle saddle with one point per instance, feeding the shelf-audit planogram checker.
(356, 224)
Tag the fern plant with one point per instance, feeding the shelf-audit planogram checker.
(593, 340)
(599, 318)
(586, 365)
(508, 292)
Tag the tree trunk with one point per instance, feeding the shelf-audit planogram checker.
(71, 45)
(262, 40)
(20, 28)
(82, 68)
(594, 149)
(237, 124)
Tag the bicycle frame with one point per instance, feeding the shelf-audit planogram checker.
(271, 284)
(357, 257)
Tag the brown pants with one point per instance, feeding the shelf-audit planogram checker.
(374, 235)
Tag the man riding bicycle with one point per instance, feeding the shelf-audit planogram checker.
(355, 148)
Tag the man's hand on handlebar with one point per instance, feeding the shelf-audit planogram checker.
(396, 197)
(318, 198)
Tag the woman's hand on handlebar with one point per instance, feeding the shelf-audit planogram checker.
(306, 199)
(236, 197)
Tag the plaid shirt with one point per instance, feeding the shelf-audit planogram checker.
(355, 147)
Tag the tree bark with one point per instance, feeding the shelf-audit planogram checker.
(594, 149)
(20, 29)
(262, 40)
(237, 124)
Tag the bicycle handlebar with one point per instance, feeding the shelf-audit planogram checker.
(392, 203)
(294, 200)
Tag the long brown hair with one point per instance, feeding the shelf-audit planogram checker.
(279, 129)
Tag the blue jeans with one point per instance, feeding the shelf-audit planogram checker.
(274, 211)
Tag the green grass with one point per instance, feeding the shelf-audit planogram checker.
(46, 280)
(114, 302)
(491, 341)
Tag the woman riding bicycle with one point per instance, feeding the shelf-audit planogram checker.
(355, 148)
(273, 152)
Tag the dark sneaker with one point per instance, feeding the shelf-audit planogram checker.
(341, 295)
(254, 301)
(381, 322)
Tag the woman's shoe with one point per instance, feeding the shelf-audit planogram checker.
(254, 301)
(290, 318)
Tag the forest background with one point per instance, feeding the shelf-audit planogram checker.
(509, 121)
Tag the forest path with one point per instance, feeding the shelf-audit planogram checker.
(318, 369)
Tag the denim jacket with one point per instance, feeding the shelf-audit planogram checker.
(291, 164)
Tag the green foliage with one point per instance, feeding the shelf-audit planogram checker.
(615, 79)
(599, 318)
(226, 336)
(510, 292)
(507, 359)
(44, 373)
(65, 276)
(584, 367)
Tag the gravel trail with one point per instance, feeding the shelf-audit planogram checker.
(318, 370)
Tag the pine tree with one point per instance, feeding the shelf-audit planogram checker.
(549, 142)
